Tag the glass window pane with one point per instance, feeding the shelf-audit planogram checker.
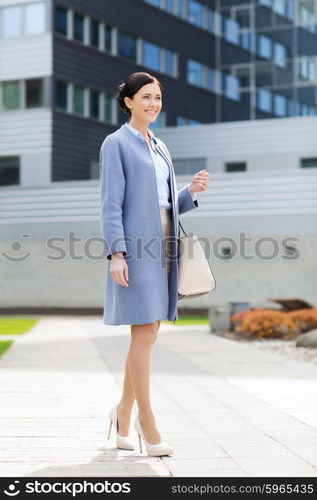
(94, 104)
(108, 108)
(192, 122)
(61, 20)
(280, 105)
(210, 79)
(156, 3)
(61, 95)
(169, 59)
(195, 73)
(11, 22)
(151, 55)
(195, 13)
(231, 31)
(265, 46)
(78, 99)
(11, 95)
(180, 121)
(94, 33)
(127, 45)
(179, 8)
(9, 170)
(279, 6)
(170, 6)
(108, 38)
(78, 29)
(280, 55)
(210, 20)
(264, 100)
(232, 90)
(35, 18)
(34, 93)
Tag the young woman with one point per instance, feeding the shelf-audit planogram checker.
(140, 206)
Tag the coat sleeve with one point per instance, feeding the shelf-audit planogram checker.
(186, 201)
(112, 192)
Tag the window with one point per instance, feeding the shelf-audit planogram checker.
(280, 103)
(279, 6)
(169, 62)
(61, 20)
(94, 104)
(78, 29)
(61, 95)
(35, 19)
(210, 20)
(169, 6)
(264, 100)
(11, 95)
(78, 100)
(240, 166)
(156, 3)
(108, 38)
(127, 45)
(231, 87)
(11, 22)
(280, 55)
(307, 69)
(9, 170)
(308, 163)
(195, 72)
(179, 8)
(231, 30)
(264, 46)
(151, 55)
(108, 108)
(210, 79)
(193, 122)
(34, 93)
(94, 33)
(195, 13)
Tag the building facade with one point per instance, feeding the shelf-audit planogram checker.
(61, 62)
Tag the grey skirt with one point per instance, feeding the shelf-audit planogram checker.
(166, 222)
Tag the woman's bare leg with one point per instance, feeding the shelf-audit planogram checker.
(128, 394)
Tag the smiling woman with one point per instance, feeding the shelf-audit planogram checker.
(140, 208)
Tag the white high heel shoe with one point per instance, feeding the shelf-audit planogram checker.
(122, 442)
(154, 450)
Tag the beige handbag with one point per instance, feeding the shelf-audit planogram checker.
(195, 275)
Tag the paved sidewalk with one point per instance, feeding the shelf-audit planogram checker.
(228, 408)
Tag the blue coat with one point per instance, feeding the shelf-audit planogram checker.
(130, 222)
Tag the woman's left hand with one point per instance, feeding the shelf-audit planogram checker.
(199, 182)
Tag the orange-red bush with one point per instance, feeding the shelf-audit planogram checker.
(266, 323)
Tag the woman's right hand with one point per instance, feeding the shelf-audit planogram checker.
(119, 269)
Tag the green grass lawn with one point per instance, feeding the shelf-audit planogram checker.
(4, 345)
(16, 326)
(190, 320)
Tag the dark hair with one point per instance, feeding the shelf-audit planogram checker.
(131, 86)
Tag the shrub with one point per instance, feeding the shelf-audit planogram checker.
(266, 323)
(305, 319)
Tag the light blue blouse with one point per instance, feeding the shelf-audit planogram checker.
(161, 171)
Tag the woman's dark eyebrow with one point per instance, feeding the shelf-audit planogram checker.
(148, 93)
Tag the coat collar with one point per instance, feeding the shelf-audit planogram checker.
(137, 135)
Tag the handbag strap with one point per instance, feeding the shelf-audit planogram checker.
(182, 228)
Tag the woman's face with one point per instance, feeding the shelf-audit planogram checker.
(146, 104)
